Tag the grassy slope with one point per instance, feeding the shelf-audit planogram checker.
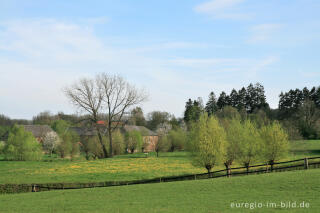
(304, 148)
(214, 195)
(126, 167)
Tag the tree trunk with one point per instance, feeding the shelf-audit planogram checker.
(271, 162)
(208, 167)
(157, 153)
(227, 164)
(105, 153)
(247, 166)
(110, 140)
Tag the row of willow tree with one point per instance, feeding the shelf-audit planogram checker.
(298, 110)
(214, 141)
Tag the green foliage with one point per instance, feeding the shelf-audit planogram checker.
(2, 146)
(249, 143)
(211, 106)
(228, 112)
(137, 117)
(193, 110)
(94, 148)
(60, 126)
(309, 120)
(233, 129)
(302, 107)
(275, 142)
(177, 139)
(162, 144)
(156, 118)
(260, 118)
(69, 143)
(22, 145)
(134, 141)
(208, 142)
(3, 132)
(65, 147)
(118, 144)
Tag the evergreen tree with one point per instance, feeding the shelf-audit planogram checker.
(255, 98)
(193, 110)
(242, 98)
(234, 98)
(222, 100)
(211, 106)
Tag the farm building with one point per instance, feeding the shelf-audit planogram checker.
(150, 138)
(38, 131)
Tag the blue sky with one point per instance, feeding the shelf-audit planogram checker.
(174, 49)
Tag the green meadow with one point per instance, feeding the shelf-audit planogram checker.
(124, 167)
(211, 195)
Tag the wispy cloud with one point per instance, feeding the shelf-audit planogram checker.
(222, 9)
(44, 55)
(263, 32)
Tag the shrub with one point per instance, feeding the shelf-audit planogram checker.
(2, 145)
(22, 145)
(118, 144)
(134, 141)
(177, 139)
(162, 144)
(94, 148)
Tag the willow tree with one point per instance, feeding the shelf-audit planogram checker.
(208, 142)
(234, 130)
(275, 142)
(250, 144)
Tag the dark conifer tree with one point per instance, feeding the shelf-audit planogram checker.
(211, 106)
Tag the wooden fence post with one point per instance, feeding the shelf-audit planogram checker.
(306, 164)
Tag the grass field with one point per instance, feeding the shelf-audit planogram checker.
(213, 195)
(125, 167)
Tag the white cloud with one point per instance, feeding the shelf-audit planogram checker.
(40, 57)
(222, 9)
(263, 32)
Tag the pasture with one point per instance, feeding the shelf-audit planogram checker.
(212, 195)
(125, 167)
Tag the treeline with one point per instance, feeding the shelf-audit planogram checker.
(298, 112)
(66, 142)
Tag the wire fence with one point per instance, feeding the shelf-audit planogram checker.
(300, 164)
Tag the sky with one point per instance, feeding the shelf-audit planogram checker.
(175, 50)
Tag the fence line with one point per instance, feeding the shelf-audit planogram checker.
(313, 162)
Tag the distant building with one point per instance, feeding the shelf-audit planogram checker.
(38, 131)
(149, 137)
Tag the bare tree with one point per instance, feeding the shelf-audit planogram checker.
(118, 96)
(87, 95)
(106, 94)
